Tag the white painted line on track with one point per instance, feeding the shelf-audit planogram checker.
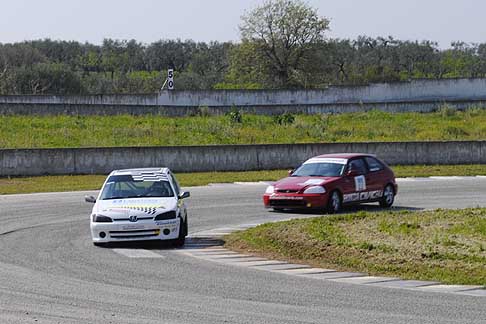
(305, 271)
(210, 253)
(196, 249)
(449, 288)
(244, 260)
(334, 275)
(258, 263)
(475, 292)
(223, 258)
(448, 178)
(281, 267)
(364, 280)
(404, 283)
(413, 179)
(259, 183)
(138, 253)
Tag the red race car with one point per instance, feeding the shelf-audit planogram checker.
(328, 182)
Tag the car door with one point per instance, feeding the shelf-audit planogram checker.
(375, 178)
(181, 204)
(355, 186)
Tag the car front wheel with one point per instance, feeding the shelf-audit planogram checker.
(181, 240)
(388, 197)
(335, 203)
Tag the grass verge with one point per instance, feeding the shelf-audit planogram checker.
(19, 185)
(448, 246)
(103, 131)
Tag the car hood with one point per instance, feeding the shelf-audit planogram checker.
(135, 206)
(301, 183)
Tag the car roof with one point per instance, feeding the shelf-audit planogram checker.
(144, 174)
(141, 170)
(344, 155)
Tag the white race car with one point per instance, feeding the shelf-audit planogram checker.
(139, 204)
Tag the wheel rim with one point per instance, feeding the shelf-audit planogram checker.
(388, 195)
(335, 201)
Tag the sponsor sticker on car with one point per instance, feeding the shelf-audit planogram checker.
(286, 198)
(133, 227)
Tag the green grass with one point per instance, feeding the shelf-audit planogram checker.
(443, 245)
(407, 171)
(17, 185)
(104, 131)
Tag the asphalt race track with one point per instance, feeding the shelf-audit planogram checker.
(50, 272)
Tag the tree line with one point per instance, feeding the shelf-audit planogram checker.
(282, 45)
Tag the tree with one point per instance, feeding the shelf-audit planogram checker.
(284, 31)
(247, 69)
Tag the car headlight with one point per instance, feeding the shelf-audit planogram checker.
(315, 190)
(101, 219)
(270, 190)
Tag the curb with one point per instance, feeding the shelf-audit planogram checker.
(207, 245)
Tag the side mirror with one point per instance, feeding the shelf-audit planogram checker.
(90, 199)
(290, 172)
(185, 194)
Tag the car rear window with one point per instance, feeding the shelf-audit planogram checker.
(374, 165)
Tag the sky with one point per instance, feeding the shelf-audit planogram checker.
(147, 21)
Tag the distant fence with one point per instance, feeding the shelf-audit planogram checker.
(30, 162)
(416, 95)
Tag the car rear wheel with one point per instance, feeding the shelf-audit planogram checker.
(388, 197)
(334, 204)
(181, 240)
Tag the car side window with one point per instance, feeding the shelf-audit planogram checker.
(374, 165)
(358, 165)
(175, 184)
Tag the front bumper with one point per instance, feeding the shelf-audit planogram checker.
(295, 201)
(140, 231)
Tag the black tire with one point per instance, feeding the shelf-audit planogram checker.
(181, 240)
(388, 197)
(335, 203)
(277, 209)
(98, 244)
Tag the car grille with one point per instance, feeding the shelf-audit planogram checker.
(128, 219)
(165, 216)
(287, 191)
(287, 203)
(133, 234)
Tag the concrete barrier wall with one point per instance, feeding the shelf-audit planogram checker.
(227, 157)
(417, 95)
(180, 111)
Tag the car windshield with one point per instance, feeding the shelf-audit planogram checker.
(123, 186)
(324, 169)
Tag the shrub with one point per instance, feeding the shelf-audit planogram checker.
(235, 116)
(447, 110)
(284, 119)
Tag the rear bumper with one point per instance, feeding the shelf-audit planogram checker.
(295, 201)
(140, 231)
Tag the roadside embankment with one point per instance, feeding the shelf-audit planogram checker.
(448, 246)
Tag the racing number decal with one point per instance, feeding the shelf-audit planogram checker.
(360, 183)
